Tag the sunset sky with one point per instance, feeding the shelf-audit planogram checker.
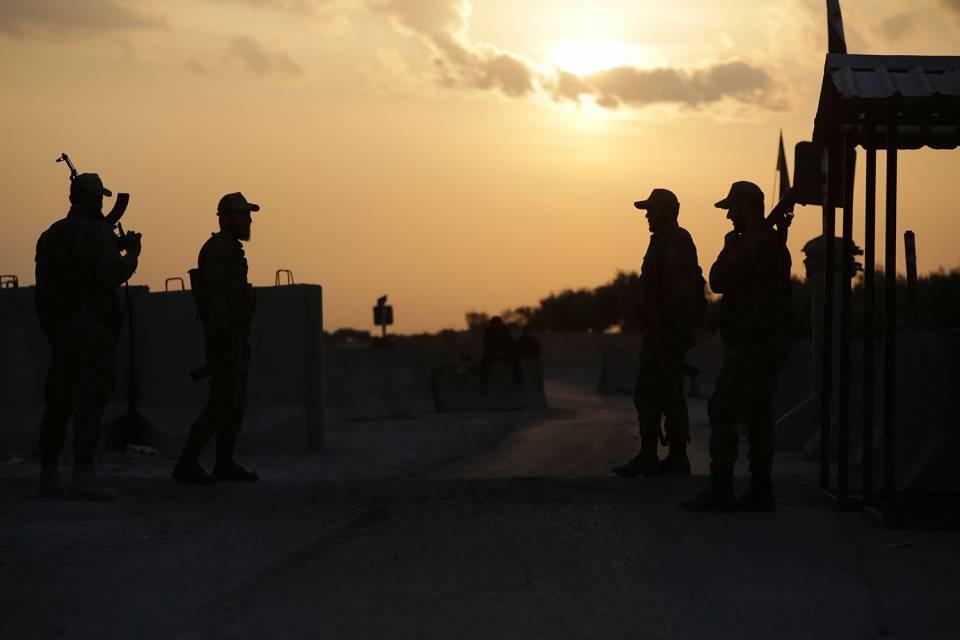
(455, 155)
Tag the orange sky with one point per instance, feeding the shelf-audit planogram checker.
(454, 155)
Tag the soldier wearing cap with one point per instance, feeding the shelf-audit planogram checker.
(753, 275)
(79, 267)
(225, 302)
(672, 303)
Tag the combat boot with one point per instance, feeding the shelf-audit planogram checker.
(644, 463)
(227, 469)
(759, 495)
(717, 497)
(84, 486)
(188, 469)
(676, 462)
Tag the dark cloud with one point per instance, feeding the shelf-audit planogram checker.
(641, 87)
(33, 17)
(260, 61)
(442, 26)
(952, 4)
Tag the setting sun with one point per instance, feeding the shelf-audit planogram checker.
(589, 56)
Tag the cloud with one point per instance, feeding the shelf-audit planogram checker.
(641, 87)
(898, 26)
(291, 6)
(952, 4)
(444, 25)
(198, 68)
(33, 17)
(260, 61)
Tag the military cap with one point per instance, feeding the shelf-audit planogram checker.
(741, 192)
(658, 197)
(235, 203)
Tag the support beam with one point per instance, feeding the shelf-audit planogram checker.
(890, 322)
(869, 321)
(834, 164)
(843, 369)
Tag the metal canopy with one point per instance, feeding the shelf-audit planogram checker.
(863, 96)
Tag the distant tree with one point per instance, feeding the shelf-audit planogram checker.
(477, 320)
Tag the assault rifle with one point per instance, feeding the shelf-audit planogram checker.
(781, 216)
(119, 205)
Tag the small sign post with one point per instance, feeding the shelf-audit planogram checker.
(383, 314)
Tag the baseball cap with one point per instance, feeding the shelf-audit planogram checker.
(741, 192)
(91, 184)
(235, 203)
(658, 197)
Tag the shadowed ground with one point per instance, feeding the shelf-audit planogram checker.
(493, 525)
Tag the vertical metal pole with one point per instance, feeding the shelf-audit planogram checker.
(890, 319)
(843, 371)
(826, 361)
(910, 254)
(869, 321)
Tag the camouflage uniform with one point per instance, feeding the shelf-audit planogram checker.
(226, 302)
(753, 274)
(78, 269)
(671, 302)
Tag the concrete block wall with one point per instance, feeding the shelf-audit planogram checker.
(285, 391)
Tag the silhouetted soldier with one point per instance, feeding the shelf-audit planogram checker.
(225, 301)
(672, 304)
(79, 268)
(753, 274)
(499, 346)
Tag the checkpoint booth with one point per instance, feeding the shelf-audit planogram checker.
(885, 104)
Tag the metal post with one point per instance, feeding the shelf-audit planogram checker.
(910, 254)
(869, 321)
(826, 362)
(843, 371)
(890, 319)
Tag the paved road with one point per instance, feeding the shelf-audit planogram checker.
(532, 538)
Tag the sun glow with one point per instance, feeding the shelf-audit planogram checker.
(589, 56)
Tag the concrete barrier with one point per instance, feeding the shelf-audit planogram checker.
(285, 397)
(460, 388)
(24, 358)
(366, 382)
(285, 390)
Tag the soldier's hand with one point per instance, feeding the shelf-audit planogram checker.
(132, 243)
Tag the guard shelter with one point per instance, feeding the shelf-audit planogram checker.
(887, 103)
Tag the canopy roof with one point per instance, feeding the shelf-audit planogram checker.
(863, 95)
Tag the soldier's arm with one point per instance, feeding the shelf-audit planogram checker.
(111, 268)
(215, 272)
(680, 298)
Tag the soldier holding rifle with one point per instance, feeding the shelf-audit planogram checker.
(80, 264)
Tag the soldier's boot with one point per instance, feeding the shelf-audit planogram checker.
(676, 462)
(188, 469)
(644, 463)
(717, 497)
(759, 495)
(84, 485)
(226, 468)
(50, 485)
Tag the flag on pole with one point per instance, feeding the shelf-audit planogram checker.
(836, 40)
(782, 169)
